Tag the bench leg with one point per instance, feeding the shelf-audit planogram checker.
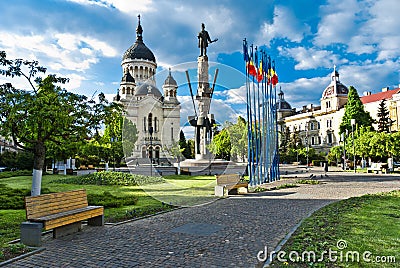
(220, 191)
(67, 229)
(96, 221)
(31, 233)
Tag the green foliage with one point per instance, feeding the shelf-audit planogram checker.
(366, 223)
(383, 117)
(238, 138)
(303, 181)
(221, 145)
(107, 200)
(355, 110)
(45, 115)
(9, 174)
(335, 154)
(17, 160)
(184, 145)
(286, 185)
(11, 198)
(111, 178)
(129, 136)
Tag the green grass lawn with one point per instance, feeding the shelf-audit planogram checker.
(370, 223)
(176, 190)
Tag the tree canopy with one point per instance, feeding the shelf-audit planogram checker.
(354, 109)
(45, 115)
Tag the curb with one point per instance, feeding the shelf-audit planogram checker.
(37, 250)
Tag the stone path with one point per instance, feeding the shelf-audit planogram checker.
(227, 233)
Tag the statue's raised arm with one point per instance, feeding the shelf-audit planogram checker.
(204, 40)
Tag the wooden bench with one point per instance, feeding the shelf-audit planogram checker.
(226, 183)
(62, 212)
(377, 167)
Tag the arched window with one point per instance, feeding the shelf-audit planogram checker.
(155, 124)
(144, 124)
(150, 120)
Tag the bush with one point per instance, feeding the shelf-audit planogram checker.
(11, 198)
(9, 174)
(110, 201)
(14, 160)
(111, 178)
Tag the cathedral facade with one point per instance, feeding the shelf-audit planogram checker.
(156, 115)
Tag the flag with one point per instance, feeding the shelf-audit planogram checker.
(251, 69)
(274, 77)
(260, 75)
(245, 52)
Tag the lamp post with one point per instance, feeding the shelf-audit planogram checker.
(353, 123)
(113, 152)
(343, 138)
(307, 143)
(151, 150)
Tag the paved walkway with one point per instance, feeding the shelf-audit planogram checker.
(227, 233)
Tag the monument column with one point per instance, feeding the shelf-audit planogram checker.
(203, 99)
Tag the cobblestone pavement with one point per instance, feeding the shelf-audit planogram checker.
(227, 233)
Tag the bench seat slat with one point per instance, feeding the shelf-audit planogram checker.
(64, 218)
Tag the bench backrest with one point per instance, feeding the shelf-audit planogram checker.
(228, 179)
(47, 204)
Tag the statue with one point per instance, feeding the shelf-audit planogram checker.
(204, 40)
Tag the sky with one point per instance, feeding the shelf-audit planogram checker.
(84, 40)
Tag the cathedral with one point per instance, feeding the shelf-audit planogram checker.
(156, 115)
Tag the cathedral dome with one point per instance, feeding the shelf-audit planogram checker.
(335, 88)
(145, 89)
(139, 50)
(281, 103)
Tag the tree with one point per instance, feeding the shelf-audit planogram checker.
(354, 109)
(285, 139)
(383, 117)
(46, 115)
(183, 145)
(221, 145)
(176, 151)
(238, 139)
(335, 154)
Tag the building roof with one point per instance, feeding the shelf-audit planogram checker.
(170, 81)
(145, 89)
(128, 78)
(379, 96)
(139, 50)
(335, 88)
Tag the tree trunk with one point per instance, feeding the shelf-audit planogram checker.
(39, 152)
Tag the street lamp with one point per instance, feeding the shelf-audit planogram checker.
(307, 143)
(343, 138)
(151, 150)
(353, 123)
(113, 152)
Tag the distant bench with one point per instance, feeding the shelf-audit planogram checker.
(62, 212)
(226, 183)
(377, 167)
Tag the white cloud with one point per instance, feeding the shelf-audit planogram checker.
(285, 25)
(122, 5)
(338, 22)
(57, 51)
(312, 58)
(233, 96)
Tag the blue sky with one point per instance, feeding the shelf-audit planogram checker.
(85, 39)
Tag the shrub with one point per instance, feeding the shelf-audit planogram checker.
(110, 201)
(9, 174)
(14, 198)
(111, 178)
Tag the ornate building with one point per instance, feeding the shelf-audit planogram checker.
(156, 115)
(318, 126)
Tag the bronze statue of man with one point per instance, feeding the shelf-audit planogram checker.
(204, 40)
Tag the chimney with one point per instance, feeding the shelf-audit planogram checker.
(384, 89)
(304, 108)
(369, 93)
